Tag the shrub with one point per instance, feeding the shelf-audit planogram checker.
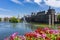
(13, 20)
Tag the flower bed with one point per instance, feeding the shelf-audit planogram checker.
(38, 34)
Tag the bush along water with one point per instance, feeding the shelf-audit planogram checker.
(14, 20)
(38, 34)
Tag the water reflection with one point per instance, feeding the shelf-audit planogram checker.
(14, 25)
(6, 29)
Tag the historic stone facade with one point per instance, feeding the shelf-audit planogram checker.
(43, 17)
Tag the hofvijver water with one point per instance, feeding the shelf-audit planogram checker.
(6, 29)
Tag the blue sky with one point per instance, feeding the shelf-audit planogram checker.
(10, 8)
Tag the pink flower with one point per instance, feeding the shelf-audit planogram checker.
(6, 39)
(51, 31)
(43, 35)
(38, 35)
(22, 37)
(56, 32)
(13, 36)
(46, 28)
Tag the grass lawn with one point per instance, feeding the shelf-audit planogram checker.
(45, 25)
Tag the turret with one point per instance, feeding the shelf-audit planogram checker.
(51, 11)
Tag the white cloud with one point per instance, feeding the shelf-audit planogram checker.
(2, 9)
(38, 1)
(29, 1)
(53, 3)
(2, 16)
(16, 1)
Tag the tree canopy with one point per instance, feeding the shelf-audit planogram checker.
(58, 17)
(13, 20)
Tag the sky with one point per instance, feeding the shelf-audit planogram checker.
(10, 8)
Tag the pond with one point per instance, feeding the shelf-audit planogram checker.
(6, 29)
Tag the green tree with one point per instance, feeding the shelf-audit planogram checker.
(58, 17)
(13, 20)
(0, 19)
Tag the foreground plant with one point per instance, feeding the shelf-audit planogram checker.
(38, 34)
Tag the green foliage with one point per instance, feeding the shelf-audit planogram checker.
(58, 17)
(0, 19)
(13, 20)
(16, 38)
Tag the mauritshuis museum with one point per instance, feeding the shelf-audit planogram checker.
(43, 16)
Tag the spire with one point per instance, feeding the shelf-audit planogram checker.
(49, 7)
(18, 16)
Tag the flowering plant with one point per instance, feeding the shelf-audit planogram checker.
(38, 34)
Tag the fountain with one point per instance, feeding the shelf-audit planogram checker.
(25, 23)
(24, 20)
